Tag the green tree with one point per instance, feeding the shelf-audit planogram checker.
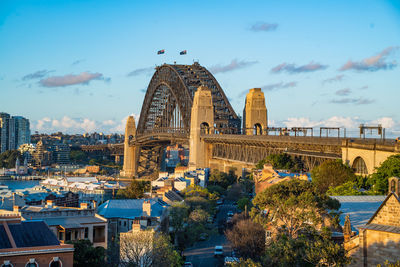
(221, 178)
(347, 189)
(331, 173)
(178, 214)
(246, 263)
(136, 189)
(280, 161)
(85, 255)
(78, 156)
(216, 189)
(292, 205)
(310, 248)
(9, 158)
(244, 203)
(390, 167)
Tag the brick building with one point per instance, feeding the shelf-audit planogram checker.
(31, 244)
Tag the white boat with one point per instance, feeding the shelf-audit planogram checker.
(3, 187)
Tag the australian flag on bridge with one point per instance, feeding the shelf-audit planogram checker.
(183, 52)
(160, 52)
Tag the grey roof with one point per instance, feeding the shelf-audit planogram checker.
(73, 222)
(384, 228)
(359, 208)
(130, 208)
(28, 234)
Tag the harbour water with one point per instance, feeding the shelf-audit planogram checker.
(15, 184)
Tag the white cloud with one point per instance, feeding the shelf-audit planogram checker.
(79, 125)
(72, 79)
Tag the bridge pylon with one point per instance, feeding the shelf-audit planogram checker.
(255, 119)
(202, 122)
(130, 159)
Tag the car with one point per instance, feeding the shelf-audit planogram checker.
(220, 201)
(230, 214)
(188, 264)
(229, 260)
(203, 236)
(219, 251)
(210, 219)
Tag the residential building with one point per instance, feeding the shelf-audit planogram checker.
(121, 214)
(31, 243)
(68, 223)
(4, 125)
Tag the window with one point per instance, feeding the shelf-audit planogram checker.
(125, 223)
(76, 235)
(32, 263)
(7, 264)
(56, 262)
(67, 235)
(86, 233)
(99, 234)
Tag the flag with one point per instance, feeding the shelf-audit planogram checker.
(183, 52)
(160, 52)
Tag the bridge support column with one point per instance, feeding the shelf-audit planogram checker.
(255, 113)
(202, 122)
(130, 155)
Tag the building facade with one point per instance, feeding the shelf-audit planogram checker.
(14, 132)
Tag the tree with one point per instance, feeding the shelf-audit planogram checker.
(9, 158)
(178, 213)
(347, 189)
(244, 203)
(246, 263)
(291, 206)
(85, 255)
(310, 248)
(147, 248)
(248, 238)
(221, 178)
(389, 168)
(136, 189)
(78, 156)
(198, 216)
(331, 173)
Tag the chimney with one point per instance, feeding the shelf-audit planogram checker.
(146, 208)
(16, 209)
(94, 204)
(135, 226)
(49, 204)
(84, 206)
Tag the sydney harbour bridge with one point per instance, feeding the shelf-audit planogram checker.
(176, 111)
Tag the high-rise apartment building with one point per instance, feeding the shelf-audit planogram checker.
(14, 131)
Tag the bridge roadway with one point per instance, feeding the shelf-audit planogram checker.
(227, 145)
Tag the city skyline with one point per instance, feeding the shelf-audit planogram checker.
(83, 67)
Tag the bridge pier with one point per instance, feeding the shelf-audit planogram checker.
(202, 121)
(130, 152)
(255, 119)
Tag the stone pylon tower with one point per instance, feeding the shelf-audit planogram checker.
(255, 120)
(202, 122)
(129, 169)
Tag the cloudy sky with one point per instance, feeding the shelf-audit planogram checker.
(78, 66)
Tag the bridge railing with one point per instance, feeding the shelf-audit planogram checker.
(166, 130)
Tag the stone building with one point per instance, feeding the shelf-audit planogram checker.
(379, 239)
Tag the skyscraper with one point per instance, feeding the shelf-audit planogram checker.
(14, 131)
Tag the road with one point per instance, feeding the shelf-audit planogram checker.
(202, 253)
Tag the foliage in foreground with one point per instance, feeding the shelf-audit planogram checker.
(310, 248)
(331, 174)
(292, 205)
(85, 255)
(389, 168)
(136, 189)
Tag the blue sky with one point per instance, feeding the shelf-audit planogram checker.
(80, 66)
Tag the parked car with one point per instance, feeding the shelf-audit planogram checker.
(188, 264)
(219, 251)
(230, 213)
(220, 201)
(203, 236)
(210, 219)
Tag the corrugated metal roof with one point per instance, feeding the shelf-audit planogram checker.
(130, 208)
(384, 228)
(359, 208)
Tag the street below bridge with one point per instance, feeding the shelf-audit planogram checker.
(202, 253)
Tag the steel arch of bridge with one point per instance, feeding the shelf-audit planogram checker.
(166, 112)
(171, 90)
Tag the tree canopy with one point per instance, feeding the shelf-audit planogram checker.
(331, 174)
(390, 167)
(136, 189)
(86, 255)
(8, 158)
(292, 205)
